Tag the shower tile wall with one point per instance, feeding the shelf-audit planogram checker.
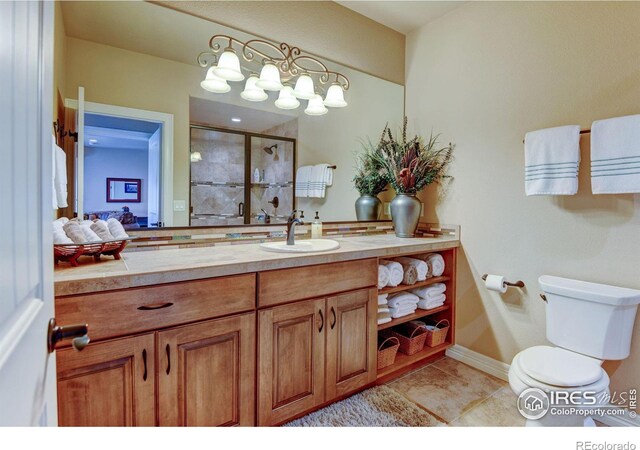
(222, 162)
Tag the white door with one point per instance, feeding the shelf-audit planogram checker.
(80, 155)
(153, 179)
(27, 370)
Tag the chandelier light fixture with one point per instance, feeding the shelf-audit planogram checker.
(281, 69)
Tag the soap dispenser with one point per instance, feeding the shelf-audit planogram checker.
(316, 227)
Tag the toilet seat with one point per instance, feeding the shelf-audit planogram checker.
(564, 379)
(559, 367)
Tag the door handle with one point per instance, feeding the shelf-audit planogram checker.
(144, 360)
(78, 333)
(168, 350)
(333, 314)
(241, 209)
(321, 321)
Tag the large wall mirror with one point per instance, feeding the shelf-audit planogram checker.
(203, 159)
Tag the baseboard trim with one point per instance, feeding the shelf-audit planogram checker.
(479, 361)
(501, 370)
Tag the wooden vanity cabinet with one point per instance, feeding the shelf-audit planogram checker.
(312, 351)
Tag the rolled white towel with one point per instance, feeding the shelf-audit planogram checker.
(436, 263)
(382, 299)
(59, 236)
(89, 234)
(62, 220)
(430, 291)
(422, 268)
(74, 231)
(432, 302)
(101, 229)
(401, 312)
(383, 276)
(396, 273)
(116, 229)
(402, 298)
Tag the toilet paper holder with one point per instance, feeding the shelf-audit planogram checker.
(518, 283)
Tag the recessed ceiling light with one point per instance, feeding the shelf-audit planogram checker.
(236, 119)
(93, 141)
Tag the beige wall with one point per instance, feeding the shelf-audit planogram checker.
(484, 75)
(59, 57)
(124, 78)
(324, 28)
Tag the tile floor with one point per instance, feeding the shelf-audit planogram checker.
(460, 395)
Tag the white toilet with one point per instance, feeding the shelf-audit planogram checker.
(589, 323)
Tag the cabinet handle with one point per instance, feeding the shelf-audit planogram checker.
(321, 321)
(333, 313)
(154, 306)
(168, 349)
(144, 360)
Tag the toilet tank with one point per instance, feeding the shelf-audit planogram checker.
(589, 318)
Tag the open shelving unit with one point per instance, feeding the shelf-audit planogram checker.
(404, 363)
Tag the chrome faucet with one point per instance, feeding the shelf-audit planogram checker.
(291, 224)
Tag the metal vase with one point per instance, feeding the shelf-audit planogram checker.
(405, 213)
(368, 207)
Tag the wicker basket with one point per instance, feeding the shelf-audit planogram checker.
(411, 337)
(438, 335)
(387, 349)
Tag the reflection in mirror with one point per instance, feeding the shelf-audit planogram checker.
(123, 58)
(124, 190)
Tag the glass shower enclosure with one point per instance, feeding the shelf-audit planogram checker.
(240, 177)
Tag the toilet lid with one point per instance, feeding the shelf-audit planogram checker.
(559, 367)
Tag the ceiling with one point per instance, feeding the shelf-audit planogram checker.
(106, 132)
(402, 16)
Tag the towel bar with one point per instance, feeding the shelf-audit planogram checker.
(518, 283)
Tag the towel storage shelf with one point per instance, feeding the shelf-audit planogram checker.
(407, 287)
(406, 361)
(416, 315)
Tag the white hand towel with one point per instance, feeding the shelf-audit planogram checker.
(89, 234)
(401, 312)
(73, 229)
(435, 261)
(615, 155)
(60, 176)
(303, 175)
(551, 158)
(101, 228)
(382, 320)
(59, 236)
(382, 299)
(396, 274)
(317, 181)
(116, 228)
(328, 175)
(383, 276)
(383, 310)
(433, 302)
(431, 291)
(402, 298)
(421, 267)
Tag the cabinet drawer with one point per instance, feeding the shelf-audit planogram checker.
(281, 286)
(128, 311)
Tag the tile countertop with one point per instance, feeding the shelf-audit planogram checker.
(167, 266)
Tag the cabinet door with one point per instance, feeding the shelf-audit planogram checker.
(110, 383)
(351, 341)
(206, 373)
(290, 360)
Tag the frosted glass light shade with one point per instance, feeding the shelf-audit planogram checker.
(196, 156)
(304, 87)
(214, 83)
(252, 92)
(286, 99)
(270, 78)
(335, 96)
(316, 107)
(228, 67)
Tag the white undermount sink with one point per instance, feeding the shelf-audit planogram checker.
(306, 246)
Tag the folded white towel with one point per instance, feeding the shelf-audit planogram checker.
(383, 310)
(382, 320)
(435, 261)
(116, 228)
(396, 273)
(328, 175)
(421, 267)
(401, 312)
(382, 299)
(303, 175)
(59, 236)
(433, 302)
(402, 298)
(89, 234)
(615, 155)
(60, 180)
(383, 276)
(431, 291)
(551, 158)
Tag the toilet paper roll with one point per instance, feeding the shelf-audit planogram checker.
(495, 283)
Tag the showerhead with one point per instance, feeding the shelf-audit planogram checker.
(269, 150)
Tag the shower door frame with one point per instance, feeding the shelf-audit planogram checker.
(247, 163)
